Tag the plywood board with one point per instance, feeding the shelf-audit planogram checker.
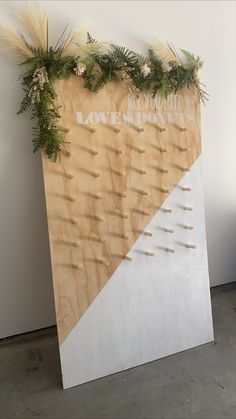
(124, 158)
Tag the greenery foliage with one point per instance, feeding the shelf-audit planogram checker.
(139, 73)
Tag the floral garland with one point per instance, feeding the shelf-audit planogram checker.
(162, 71)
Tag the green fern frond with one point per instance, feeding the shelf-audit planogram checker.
(25, 103)
(123, 55)
(192, 62)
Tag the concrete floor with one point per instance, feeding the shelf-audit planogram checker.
(199, 383)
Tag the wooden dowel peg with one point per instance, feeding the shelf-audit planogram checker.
(102, 261)
(169, 250)
(75, 266)
(116, 130)
(159, 148)
(98, 239)
(67, 153)
(124, 236)
(186, 189)
(71, 198)
(162, 170)
(113, 128)
(139, 150)
(148, 253)
(125, 257)
(118, 172)
(190, 246)
(74, 221)
(95, 174)
(72, 243)
(69, 176)
(180, 127)
(168, 230)
(184, 169)
(142, 192)
(120, 235)
(142, 212)
(160, 128)
(88, 128)
(128, 258)
(187, 208)
(94, 239)
(65, 130)
(167, 210)
(136, 127)
(164, 190)
(90, 150)
(117, 151)
(157, 126)
(95, 195)
(93, 151)
(188, 227)
(121, 214)
(76, 244)
(141, 171)
(121, 194)
(147, 233)
(97, 218)
(163, 150)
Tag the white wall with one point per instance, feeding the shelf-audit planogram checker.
(206, 28)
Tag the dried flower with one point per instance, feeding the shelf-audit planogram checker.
(34, 96)
(145, 70)
(80, 69)
(40, 78)
(123, 75)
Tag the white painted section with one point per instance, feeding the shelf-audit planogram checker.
(153, 306)
(207, 28)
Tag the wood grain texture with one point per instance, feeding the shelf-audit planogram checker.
(105, 188)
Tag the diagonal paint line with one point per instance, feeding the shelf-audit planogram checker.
(150, 307)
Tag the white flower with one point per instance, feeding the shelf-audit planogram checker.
(40, 77)
(80, 69)
(145, 69)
